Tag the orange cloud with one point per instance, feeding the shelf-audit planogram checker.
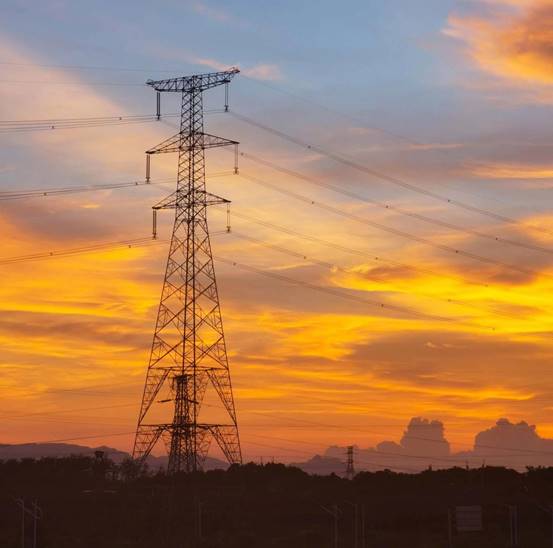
(515, 42)
(513, 171)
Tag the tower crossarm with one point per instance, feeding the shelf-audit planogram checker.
(180, 142)
(197, 82)
(202, 197)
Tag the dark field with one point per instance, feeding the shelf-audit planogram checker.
(90, 504)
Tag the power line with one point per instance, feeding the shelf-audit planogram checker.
(394, 231)
(7, 195)
(84, 67)
(53, 191)
(296, 452)
(302, 453)
(307, 100)
(310, 422)
(376, 451)
(347, 296)
(40, 413)
(13, 195)
(418, 438)
(332, 266)
(404, 234)
(148, 241)
(396, 209)
(414, 143)
(310, 101)
(32, 122)
(104, 246)
(29, 125)
(384, 177)
(113, 118)
(61, 83)
(47, 128)
(347, 249)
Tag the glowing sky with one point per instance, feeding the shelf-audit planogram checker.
(452, 96)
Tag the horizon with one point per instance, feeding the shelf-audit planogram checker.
(519, 444)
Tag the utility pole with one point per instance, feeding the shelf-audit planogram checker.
(350, 470)
(188, 355)
(334, 511)
(449, 528)
(513, 525)
(551, 508)
(35, 512)
(355, 523)
(36, 516)
(21, 504)
(363, 537)
(200, 525)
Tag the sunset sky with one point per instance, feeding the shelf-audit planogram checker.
(453, 97)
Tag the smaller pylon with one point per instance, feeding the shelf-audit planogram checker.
(350, 470)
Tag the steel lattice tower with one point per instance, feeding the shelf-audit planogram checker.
(350, 470)
(188, 354)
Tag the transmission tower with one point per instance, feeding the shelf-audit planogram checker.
(350, 470)
(188, 355)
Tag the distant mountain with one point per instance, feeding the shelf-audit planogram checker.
(322, 466)
(40, 450)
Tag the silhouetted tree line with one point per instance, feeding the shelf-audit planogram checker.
(91, 502)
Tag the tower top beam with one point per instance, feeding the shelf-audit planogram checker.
(196, 82)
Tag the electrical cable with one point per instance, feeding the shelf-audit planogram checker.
(395, 231)
(22, 126)
(382, 176)
(393, 208)
(104, 246)
(149, 241)
(325, 425)
(347, 249)
(53, 191)
(334, 266)
(302, 283)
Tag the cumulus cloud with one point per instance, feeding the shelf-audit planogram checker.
(509, 444)
(506, 434)
(425, 436)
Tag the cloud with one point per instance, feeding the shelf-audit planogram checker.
(513, 41)
(507, 434)
(510, 444)
(216, 14)
(513, 171)
(261, 71)
(257, 71)
(67, 155)
(425, 437)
